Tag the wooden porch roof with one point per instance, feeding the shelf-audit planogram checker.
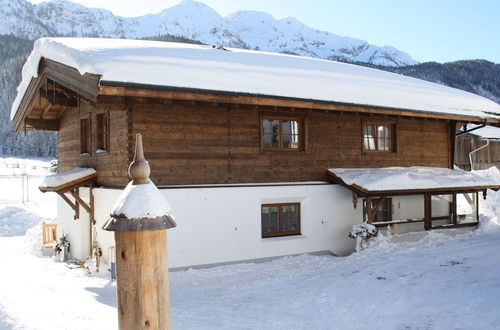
(414, 180)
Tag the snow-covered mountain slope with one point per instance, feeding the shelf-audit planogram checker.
(196, 21)
(18, 18)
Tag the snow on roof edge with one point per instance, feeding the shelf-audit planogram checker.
(416, 177)
(89, 55)
(58, 179)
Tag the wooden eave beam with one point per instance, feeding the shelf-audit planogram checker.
(278, 102)
(42, 124)
(86, 86)
(76, 196)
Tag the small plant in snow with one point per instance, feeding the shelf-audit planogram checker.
(361, 233)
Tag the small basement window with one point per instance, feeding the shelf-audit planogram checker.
(85, 135)
(102, 132)
(282, 134)
(280, 219)
(378, 137)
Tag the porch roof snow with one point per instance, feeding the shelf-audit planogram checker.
(410, 179)
(200, 67)
(485, 133)
(77, 174)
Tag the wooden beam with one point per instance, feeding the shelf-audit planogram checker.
(44, 111)
(369, 210)
(277, 102)
(68, 201)
(42, 124)
(76, 196)
(427, 212)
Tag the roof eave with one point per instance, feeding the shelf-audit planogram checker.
(108, 87)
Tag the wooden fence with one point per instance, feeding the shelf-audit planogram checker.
(482, 159)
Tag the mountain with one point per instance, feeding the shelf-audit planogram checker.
(190, 21)
(196, 21)
(476, 76)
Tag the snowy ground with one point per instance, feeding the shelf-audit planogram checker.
(440, 282)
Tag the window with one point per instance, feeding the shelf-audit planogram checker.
(85, 135)
(102, 132)
(384, 211)
(378, 137)
(280, 219)
(282, 134)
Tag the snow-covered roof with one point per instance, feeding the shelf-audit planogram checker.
(250, 72)
(59, 179)
(485, 133)
(410, 178)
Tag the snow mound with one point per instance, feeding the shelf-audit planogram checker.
(15, 221)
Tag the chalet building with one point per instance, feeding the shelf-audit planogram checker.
(259, 154)
(478, 147)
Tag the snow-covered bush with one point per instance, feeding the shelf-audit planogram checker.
(362, 232)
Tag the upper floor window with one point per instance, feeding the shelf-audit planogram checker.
(283, 134)
(85, 135)
(102, 136)
(378, 137)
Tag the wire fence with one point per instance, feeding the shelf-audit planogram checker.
(21, 188)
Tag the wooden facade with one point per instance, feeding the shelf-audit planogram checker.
(204, 143)
(200, 137)
(482, 159)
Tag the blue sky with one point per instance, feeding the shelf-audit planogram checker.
(428, 30)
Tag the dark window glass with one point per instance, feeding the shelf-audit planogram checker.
(281, 134)
(280, 219)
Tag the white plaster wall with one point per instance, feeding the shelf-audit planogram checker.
(77, 230)
(216, 225)
(223, 224)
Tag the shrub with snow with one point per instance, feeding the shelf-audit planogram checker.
(362, 232)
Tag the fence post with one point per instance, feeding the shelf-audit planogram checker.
(140, 219)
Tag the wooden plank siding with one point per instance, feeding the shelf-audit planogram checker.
(482, 159)
(201, 143)
(111, 166)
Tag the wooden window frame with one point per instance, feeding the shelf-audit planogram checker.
(302, 133)
(106, 131)
(452, 212)
(374, 211)
(88, 133)
(281, 233)
(392, 129)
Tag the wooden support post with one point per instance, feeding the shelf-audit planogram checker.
(141, 251)
(142, 279)
(369, 209)
(355, 200)
(427, 212)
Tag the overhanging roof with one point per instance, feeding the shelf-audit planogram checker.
(65, 181)
(412, 180)
(484, 133)
(262, 74)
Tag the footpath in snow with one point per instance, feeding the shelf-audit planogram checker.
(441, 282)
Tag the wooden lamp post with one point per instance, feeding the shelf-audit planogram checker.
(140, 219)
